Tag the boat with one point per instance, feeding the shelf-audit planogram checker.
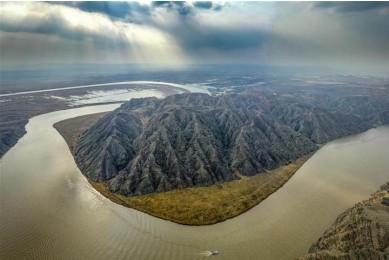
(214, 252)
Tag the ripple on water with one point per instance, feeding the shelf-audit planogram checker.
(49, 210)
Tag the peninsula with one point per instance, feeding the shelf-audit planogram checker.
(196, 159)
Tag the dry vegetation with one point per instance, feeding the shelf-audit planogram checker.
(71, 129)
(208, 205)
(361, 232)
(192, 206)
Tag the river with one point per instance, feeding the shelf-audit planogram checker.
(191, 88)
(50, 211)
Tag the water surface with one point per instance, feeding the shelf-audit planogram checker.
(50, 211)
(191, 88)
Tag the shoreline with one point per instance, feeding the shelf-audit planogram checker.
(135, 202)
(20, 107)
(131, 82)
(358, 231)
(192, 206)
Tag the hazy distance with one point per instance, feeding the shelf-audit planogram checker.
(350, 37)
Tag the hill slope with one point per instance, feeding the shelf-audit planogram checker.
(361, 232)
(150, 145)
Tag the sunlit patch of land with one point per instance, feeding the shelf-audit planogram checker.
(196, 205)
(207, 205)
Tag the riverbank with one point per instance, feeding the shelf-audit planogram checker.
(18, 107)
(49, 208)
(196, 205)
(361, 232)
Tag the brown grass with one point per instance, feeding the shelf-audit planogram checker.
(197, 205)
(208, 205)
(72, 128)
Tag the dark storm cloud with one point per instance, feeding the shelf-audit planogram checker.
(203, 4)
(351, 6)
(217, 7)
(183, 8)
(347, 34)
(180, 7)
(112, 9)
(50, 25)
(115, 10)
(193, 38)
(365, 24)
(56, 25)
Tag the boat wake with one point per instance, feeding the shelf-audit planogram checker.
(206, 254)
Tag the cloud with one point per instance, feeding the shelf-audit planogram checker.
(64, 22)
(50, 25)
(203, 4)
(351, 6)
(167, 30)
(217, 7)
(183, 8)
(314, 36)
(94, 37)
(211, 30)
(114, 10)
(187, 8)
(220, 39)
(331, 33)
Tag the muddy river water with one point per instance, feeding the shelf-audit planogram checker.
(50, 211)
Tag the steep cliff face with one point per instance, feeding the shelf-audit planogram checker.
(361, 232)
(150, 145)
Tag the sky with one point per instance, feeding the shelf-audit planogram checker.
(339, 35)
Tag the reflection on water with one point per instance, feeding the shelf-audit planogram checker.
(50, 211)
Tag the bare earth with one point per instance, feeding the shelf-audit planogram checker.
(191, 206)
(72, 128)
(361, 232)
